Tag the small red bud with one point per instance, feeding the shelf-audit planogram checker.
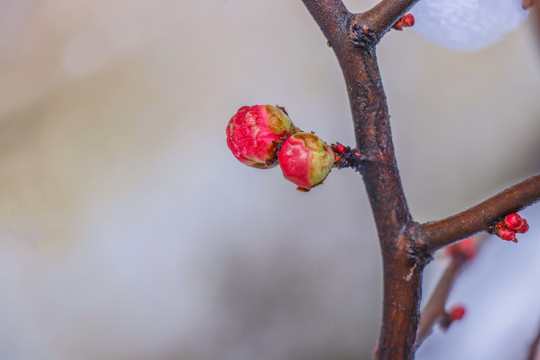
(506, 234)
(357, 154)
(457, 313)
(523, 228)
(340, 148)
(466, 248)
(513, 221)
(407, 20)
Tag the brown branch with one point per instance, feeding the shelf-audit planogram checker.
(405, 251)
(332, 17)
(402, 264)
(385, 14)
(434, 311)
(437, 234)
(536, 20)
(534, 350)
(401, 267)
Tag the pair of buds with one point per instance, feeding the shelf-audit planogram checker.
(263, 136)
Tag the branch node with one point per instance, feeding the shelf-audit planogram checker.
(417, 245)
(348, 157)
(362, 35)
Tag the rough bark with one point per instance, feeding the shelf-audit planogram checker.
(406, 247)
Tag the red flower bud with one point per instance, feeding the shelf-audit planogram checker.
(506, 234)
(255, 133)
(457, 313)
(513, 221)
(523, 228)
(305, 159)
(466, 248)
(407, 20)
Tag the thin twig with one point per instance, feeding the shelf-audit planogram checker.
(434, 310)
(385, 14)
(536, 19)
(438, 234)
(534, 349)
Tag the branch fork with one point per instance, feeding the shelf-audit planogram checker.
(406, 246)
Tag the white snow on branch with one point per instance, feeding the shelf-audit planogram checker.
(467, 24)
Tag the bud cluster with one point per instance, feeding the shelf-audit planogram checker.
(406, 20)
(507, 228)
(347, 157)
(262, 136)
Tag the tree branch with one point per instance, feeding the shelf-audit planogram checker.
(434, 309)
(332, 17)
(402, 262)
(402, 267)
(437, 234)
(385, 14)
(534, 350)
(405, 246)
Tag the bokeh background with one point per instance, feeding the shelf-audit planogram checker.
(129, 231)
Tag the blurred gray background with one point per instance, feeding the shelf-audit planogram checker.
(129, 231)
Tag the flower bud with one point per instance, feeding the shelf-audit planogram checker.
(513, 221)
(255, 133)
(340, 148)
(457, 313)
(466, 249)
(506, 234)
(523, 228)
(407, 20)
(305, 160)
